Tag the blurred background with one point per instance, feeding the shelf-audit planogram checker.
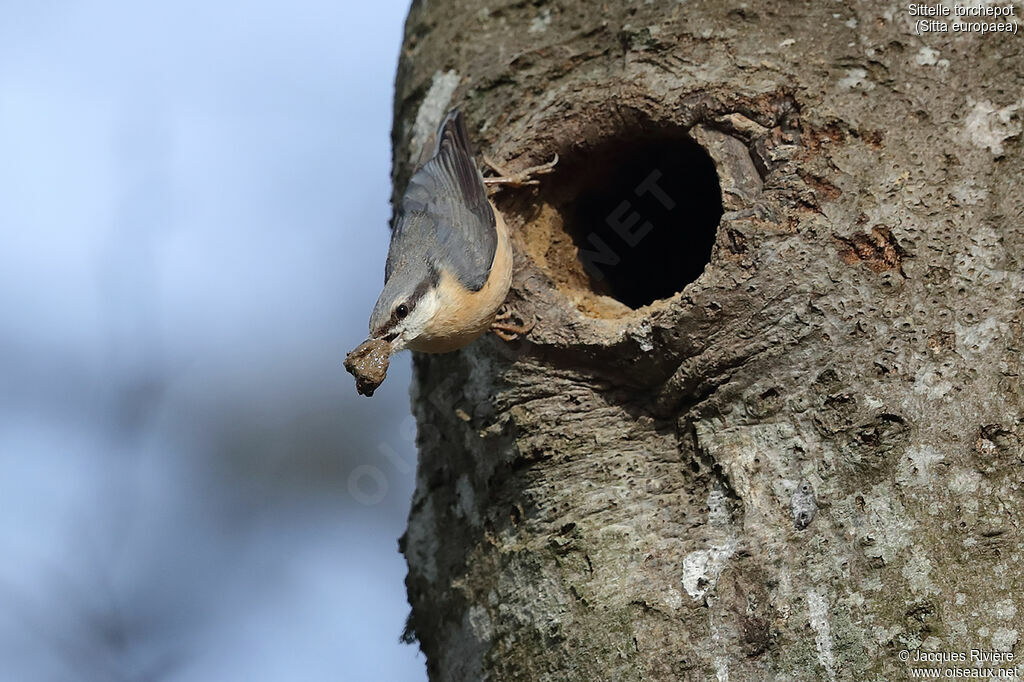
(193, 225)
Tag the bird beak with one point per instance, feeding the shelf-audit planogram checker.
(380, 335)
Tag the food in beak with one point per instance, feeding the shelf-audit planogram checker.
(368, 363)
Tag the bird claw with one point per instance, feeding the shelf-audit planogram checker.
(505, 328)
(518, 179)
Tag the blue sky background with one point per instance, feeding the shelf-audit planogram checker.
(193, 225)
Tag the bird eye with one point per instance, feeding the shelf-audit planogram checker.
(402, 310)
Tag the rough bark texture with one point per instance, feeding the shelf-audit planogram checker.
(808, 459)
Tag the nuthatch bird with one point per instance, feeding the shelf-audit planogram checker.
(449, 265)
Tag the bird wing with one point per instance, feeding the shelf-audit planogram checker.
(445, 217)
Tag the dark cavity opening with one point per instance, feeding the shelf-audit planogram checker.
(644, 216)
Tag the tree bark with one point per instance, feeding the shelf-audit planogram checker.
(796, 466)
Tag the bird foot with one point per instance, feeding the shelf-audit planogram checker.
(520, 178)
(505, 327)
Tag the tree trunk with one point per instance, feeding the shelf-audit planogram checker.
(769, 422)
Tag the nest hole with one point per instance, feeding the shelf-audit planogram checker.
(643, 213)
